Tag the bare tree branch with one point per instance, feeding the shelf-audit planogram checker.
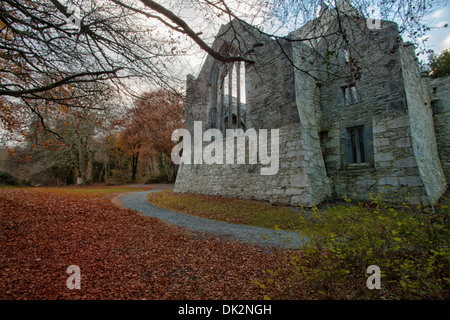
(18, 93)
(185, 29)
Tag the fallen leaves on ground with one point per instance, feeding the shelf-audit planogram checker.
(234, 210)
(121, 254)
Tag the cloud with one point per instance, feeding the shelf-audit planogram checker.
(438, 14)
(445, 44)
(438, 38)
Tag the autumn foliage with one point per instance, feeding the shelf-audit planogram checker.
(121, 253)
(147, 129)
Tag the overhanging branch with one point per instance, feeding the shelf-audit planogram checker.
(67, 80)
(185, 29)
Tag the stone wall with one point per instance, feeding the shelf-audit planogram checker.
(270, 86)
(381, 109)
(440, 103)
(394, 171)
(307, 105)
(422, 127)
(271, 104)
(288, 186)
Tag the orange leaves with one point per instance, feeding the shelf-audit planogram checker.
(11, 115)
(145, 131)
(11, 152)
(17, 154)
(155, 116)
(27, 117)
(122, 254)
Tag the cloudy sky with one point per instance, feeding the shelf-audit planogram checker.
(438, 39)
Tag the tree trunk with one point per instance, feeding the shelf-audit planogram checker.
(105, 168)
(134, 164)
(152, 170)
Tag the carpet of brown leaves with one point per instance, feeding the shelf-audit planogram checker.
(121, 253)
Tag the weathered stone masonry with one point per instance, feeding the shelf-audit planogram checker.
(440, 104)
(338, 135)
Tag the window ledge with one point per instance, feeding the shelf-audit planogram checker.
(358, 168)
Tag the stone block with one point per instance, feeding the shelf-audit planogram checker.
(297, 163)
(384, 164)
(298, 180)
(278, 192)
(366, 182)
(403, 143)
(411, 181)
(378, 142)
(379, 157)
(379, 128)
(405, 162)
(293, 191)
(294, 153)
(393, 181)
(399, 122)
(304, 199)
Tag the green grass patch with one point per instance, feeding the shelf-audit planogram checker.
(5, 186)
(90, 191)
(231, 210)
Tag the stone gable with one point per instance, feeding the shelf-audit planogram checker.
(361, 122)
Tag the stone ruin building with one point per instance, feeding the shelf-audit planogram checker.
(350, 125)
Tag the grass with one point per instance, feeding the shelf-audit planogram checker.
(409, 245)
(90, 192)
(231, 210)
(84, 192)
(7, 186)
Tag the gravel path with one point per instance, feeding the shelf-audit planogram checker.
(265, 237)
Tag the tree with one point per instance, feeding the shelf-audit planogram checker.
(159, 113)
(115, 157)
(440, 65)
(147, 129)
(94, 45)
(80, 42)
(64, 150)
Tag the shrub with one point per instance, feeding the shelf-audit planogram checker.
(157, 178)
(8, 179)
(440, 64)
(118, 177)
(410, 247)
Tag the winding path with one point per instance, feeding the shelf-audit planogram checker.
(137, 201)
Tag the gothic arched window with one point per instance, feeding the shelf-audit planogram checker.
(228, 108)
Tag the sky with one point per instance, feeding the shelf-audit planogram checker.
(438, 38)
